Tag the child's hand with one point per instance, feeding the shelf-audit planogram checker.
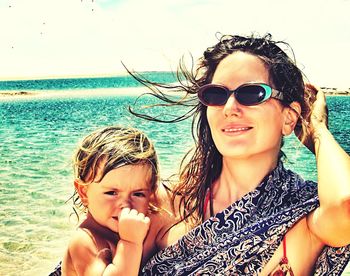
(133, 226)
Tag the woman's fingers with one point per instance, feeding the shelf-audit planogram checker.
(314, 117)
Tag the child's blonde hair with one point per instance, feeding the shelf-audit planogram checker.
(115, 146)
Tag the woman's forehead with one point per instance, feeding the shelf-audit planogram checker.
(240, 67)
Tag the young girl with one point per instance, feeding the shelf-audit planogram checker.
(116, 176)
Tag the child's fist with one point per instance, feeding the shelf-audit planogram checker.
(133, 226)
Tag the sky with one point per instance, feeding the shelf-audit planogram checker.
(71, 38)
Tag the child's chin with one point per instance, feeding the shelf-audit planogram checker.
(113, 225)
(114, 229)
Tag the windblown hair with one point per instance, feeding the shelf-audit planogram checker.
(205, 163)
(109, 148)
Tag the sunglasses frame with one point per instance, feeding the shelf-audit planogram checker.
(269, 93)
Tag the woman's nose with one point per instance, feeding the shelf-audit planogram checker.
(232, 107)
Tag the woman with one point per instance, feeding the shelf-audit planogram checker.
(245, 214)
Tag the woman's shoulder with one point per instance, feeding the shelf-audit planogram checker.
(164, 194)
(161, 220)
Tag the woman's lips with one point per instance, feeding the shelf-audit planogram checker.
(235, 129)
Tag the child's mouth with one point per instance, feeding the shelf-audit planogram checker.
(116, 218)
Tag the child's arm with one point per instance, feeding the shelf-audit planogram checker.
(84, 257)
(133, 228)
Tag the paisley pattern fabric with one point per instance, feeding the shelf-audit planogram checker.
(242, 238)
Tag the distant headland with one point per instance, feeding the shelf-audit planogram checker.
(332, 91)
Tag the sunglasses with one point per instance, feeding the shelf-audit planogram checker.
(246, 94)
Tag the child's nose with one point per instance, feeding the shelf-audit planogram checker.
(124, 203)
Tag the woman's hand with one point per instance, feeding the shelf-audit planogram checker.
(313, 119)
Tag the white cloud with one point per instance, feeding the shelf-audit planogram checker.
(73, 37)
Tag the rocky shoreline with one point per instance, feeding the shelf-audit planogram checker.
(16, 93)
(335, 91)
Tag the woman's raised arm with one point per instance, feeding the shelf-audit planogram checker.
(331, 221)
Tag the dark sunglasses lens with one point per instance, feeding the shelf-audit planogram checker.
(250, 94)
(213, 95)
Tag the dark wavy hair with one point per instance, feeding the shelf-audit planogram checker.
(205, 162)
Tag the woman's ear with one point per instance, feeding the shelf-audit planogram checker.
(81, 188)
(291, 116)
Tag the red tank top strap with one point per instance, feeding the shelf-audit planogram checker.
(285, 247)
(283, 269)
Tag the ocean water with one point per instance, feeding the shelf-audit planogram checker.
(84, 83)
(38, 137)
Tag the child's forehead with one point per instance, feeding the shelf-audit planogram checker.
(133, 176)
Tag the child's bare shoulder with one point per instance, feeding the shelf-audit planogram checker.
(80, 246)
(84, 251)
(81, 241)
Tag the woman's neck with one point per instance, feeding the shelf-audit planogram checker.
(239, 177)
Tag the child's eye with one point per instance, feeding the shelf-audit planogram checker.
(139, 194)
(111, 193)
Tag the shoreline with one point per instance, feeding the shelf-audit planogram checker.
(84, 93)
(74, 93)
(120, 73)
(337, 94)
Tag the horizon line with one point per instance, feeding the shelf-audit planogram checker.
(79, 76)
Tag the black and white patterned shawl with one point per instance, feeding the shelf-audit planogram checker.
(241, 239)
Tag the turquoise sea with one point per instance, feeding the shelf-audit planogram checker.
(38, 137)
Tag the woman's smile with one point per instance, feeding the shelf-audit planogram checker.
(235, 129)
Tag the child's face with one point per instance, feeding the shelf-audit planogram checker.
(127, 186)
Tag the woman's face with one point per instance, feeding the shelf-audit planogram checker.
(242, 131)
